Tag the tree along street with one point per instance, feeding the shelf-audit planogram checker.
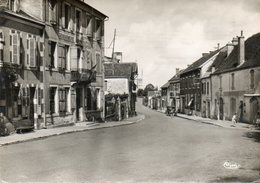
(159, 148)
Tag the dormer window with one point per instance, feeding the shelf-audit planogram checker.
(11, 5)
(14, 5)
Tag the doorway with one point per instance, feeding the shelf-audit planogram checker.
(78, 101)
(221, 108)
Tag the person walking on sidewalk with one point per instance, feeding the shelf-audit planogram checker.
(234, 119)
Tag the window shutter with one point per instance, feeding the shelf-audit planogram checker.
(73, 98)
(48, 58)
(47, 100)
(32, 52)
(72, 16)
(16, 50)
(60, 57)
(73, 55)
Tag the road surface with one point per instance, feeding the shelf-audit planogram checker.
(159, 148)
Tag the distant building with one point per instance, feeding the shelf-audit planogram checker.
(173, 92)
(164, 94)
(190, 86)
(120, 79)
(21, 59)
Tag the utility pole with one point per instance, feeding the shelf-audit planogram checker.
(114, 40)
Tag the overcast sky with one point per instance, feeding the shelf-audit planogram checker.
(162, 35)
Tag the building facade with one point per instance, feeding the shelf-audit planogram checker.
(190, 86)
(174, 91)
(164, 97)
(235, 84)
(62, 51)
(120, 78)
(21, 59)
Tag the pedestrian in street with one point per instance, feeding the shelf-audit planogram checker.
(234, 119)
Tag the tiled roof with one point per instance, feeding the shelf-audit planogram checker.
(176, 77)
(197, 64)
(220, 59)
(165, 85)
(252, 56)
(120, 69)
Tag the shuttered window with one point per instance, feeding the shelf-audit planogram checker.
(62, 101)
(98, 62)
(32, 52)
(98, 29)
(89, 25)
(51, 51)
(14, 47)
(62, 57)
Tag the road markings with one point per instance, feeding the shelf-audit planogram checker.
(231, 165)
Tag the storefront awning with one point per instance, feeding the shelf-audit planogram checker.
(252, 95)
(51, 34)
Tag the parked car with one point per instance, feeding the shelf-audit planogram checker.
(23, 125)
(6, 127)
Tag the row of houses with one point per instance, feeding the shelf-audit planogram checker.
(51, 61)
(219, 84)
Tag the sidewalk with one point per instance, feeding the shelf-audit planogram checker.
(220, 123)
(78, 127)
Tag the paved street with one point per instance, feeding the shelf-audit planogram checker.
(158, 148)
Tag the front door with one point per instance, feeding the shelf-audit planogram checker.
(208, 110)
(221, 108)
(78, 101)
(31, 112)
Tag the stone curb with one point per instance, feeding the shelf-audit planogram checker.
(201, 121)
(142, 117)
(241, 128)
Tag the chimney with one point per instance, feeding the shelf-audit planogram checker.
(177, 70)
(16, 5)
(235, 41)
(241, 49)
(204, 54)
